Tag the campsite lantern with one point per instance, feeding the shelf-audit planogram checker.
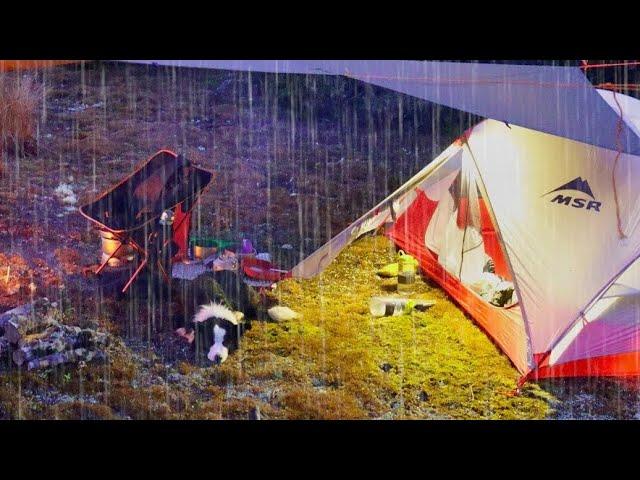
(407, 269)
(113, 252)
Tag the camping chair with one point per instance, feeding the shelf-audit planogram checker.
(131, 211)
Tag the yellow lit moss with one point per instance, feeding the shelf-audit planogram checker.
(337, 361)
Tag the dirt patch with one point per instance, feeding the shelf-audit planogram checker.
(70, 260)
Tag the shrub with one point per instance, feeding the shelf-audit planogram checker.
(19, 103)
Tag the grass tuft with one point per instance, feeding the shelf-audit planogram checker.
(20, 99)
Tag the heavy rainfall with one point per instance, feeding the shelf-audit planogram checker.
(273, 166)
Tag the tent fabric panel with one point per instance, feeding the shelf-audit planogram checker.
(556, 249)
(315, 263)
(492, 244)
(301, 67)
(616, 331)
(611, 325)
(409, 228)
(505, 326)
(17, 65)
(630, 279)
(629, 106)
(616, 365)
(440, 167)
(620, 290)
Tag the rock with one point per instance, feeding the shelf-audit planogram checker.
(174, 378)
(254, 414)
(65, 193)
(386, 367)
(280, 314)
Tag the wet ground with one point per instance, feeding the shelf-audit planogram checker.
(296, 159)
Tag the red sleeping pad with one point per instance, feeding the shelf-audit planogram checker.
(257, 269)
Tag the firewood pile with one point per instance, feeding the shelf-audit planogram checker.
(35, 337)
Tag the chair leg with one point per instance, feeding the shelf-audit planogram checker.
(165, 275)
(104, 264)
(135, 274)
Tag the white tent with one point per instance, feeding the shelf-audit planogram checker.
(545, 209)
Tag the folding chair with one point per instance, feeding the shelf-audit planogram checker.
(131, 211)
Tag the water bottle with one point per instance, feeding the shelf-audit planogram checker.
(407, 269)
(394, 306)
(385, 307)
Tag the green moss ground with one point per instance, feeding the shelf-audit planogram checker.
(337, 361)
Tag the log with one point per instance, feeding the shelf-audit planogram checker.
(38, 348)
(27, 319)
(65, 357)
(39, 340)
(60, 340)
(8, 315)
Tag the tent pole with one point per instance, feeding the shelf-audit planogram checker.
(411, 183)
(485, 195)
(464, 182)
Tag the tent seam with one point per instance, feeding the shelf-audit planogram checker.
(530, 359)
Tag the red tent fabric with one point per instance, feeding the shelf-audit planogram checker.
(501, 324)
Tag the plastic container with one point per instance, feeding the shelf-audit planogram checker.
(247, 247)
(406, 282)
(201, 253)
(407, 271)
(266, 256)
(202, 247)
(393, 306)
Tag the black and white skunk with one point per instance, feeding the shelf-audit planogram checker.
(216, 332)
